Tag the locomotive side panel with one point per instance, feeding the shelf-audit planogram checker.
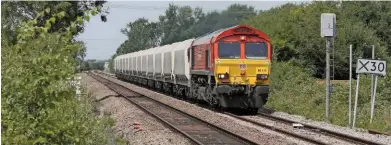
(200, 57)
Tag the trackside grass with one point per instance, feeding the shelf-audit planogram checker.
(294, 91)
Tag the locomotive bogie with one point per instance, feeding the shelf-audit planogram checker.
(242, 96)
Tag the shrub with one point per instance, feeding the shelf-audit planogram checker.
(38, 104)
(294, 91)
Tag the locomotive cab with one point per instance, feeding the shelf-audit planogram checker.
(242, 63)
(239, 61)
(242, 71)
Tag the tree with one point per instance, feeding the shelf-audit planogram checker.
(169, 25)
(214, 20)
(80, 54)
(376, 15)
(16, 12)
(187, 23)
(294, 31)
(141, 34)
(38, 103)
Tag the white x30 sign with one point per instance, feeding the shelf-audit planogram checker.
(370, 66)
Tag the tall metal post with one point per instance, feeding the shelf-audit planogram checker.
(356, 101)
(328, 78)
(373, 100)
(372, 84)
(350, 86)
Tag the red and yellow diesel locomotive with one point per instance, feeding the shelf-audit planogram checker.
(229, 68)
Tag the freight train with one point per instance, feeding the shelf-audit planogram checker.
(228, 68)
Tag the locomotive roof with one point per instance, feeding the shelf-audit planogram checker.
(208, 37)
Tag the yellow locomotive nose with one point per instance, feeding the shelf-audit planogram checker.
(243, 71)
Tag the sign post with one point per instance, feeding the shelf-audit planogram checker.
(373, 100)
(356, 101)
(372, 85)
(350, 86)
(369, 66)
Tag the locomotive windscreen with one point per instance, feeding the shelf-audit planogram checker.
(229, 50)
(256, 50)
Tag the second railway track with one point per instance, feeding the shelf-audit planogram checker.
(314, 129)
(197, 130)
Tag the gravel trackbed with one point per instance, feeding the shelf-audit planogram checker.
(133, 124)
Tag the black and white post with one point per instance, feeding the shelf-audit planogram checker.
(372, 87)
(328, 31)
(350, 85)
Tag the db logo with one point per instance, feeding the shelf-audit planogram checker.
(242, 66)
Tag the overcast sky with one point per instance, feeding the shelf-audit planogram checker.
(103, 39)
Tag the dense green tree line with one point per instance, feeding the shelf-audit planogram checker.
(92, 65)
(295, 32)
(178, 24)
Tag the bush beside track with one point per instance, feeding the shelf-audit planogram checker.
(38, 104)
(294, 91)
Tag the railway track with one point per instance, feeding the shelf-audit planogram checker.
(197, 130)
(311, 128)
(335, 134)
(330, 133)
(378, 132)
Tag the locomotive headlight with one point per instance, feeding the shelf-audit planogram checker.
(222, 76)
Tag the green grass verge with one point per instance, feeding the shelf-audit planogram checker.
(294, 91)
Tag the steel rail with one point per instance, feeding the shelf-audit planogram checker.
(378, 132)
(328, 132)
(302, 137)
(216, 128)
